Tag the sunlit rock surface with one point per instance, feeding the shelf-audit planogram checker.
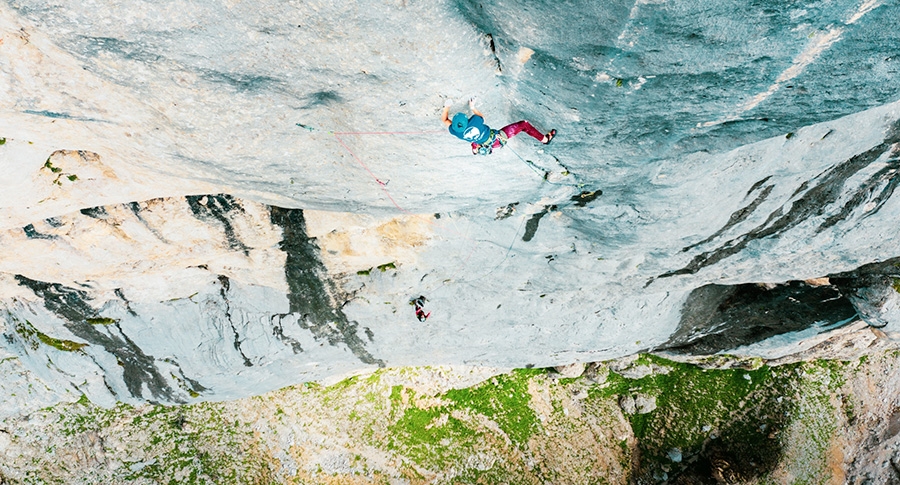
(207, 200)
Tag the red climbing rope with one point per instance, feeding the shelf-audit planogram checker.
(366, 167)
(431, 132)
(384, 185)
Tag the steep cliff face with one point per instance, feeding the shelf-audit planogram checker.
(208, 200)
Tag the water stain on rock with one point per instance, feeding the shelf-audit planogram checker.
(322, 98)
(219, 208)
(531, 226)
(240, 82)
(586, 197)
(308, 294)
(139, 370)
(814, 203)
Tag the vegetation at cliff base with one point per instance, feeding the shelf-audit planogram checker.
(644, 419)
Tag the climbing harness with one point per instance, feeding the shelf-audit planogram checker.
(487, 147)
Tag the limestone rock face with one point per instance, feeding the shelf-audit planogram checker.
(205, 200)
(879, 303)
(874, 290)
(169, 299)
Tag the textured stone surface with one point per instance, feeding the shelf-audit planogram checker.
(192, 191)
(825, 421)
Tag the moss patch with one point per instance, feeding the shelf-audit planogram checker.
(48, 165)
(489, 433)
(505, 400)
(102, 321)
(386, 266)
(193, 444)
(436, 436)
(58, 171)
(814, 419)
(705, 416)
(433, 438)
(61, 344)
(33, 337)
(382, 267)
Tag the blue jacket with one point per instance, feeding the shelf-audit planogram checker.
(475, 130)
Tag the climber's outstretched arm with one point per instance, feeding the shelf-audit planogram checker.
(445, 116)
(474, 110)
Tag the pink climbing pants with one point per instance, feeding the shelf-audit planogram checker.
(518, 127)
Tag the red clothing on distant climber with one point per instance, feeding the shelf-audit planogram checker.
(419, 304)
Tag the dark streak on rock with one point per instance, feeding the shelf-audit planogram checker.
(278, 332)
(136, 209)
(121, 295)
(95, 212)
(531, 226)
(32, 233)
(490, 41)
(308, 295)
(226, 285)
(757, 185)
(53, 222)
(585, 197)
(812, 204)
(218, 208)
(195, 385)
(888, 177)
(737, 216)
(72, 306)
(802, 187)
(62, 116)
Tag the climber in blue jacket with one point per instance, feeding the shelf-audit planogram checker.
(482, 137)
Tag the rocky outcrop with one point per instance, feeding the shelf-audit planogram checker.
(171, 301)
(641, 420)
(874, 290)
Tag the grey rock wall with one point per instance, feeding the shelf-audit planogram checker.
(207, 200)
(161, 309)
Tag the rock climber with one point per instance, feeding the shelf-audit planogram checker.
(419, 304)
(482, 137)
